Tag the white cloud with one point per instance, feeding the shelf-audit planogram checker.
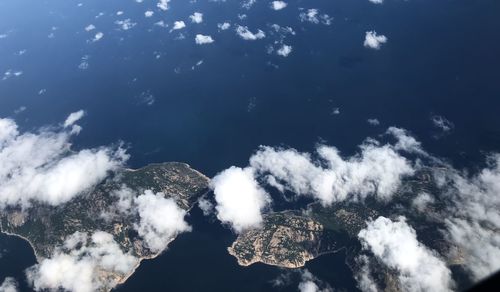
(278, 5)
(284, 51)
(422, 201)
(149, 13)
(11, 73)
(376, 1)
(373, 122)
(206, 206)
(196, 17)
(246, 34)
(89, 27)
(309, 283)
(163, 4)
(363, 276)
(472, 217)
(161, 23)
(98, 36)
(125, 24)
(405, 141)
(395, 244)
(442, 123)
(224, 26)
(79, 265)
(41, 166)
(160, 220)
(247, 4)
(73, 118)
(240, 200)
(326, 19)
(377, 170)
(178, 25)
(203, 39)
(9, 285)
(311, 15)
(374, 41)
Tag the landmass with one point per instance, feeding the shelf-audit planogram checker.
(46, 227)
(290, 239)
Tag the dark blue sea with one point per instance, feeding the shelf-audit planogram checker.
(442, 59)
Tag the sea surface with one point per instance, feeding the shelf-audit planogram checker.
(142, 87)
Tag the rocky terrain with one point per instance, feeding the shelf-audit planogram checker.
(47, 227)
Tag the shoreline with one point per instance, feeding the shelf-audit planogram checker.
(122, 278)
(25, 239)
(229, 250)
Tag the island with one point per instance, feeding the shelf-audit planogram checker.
(46, 227)
(289, 239)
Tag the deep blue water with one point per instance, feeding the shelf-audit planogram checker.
(441, 59)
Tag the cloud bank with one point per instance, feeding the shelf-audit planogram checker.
(41, 166)
(395, 244)
(84, 263)
(377, 170)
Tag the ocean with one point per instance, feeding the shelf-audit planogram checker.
(143, 87)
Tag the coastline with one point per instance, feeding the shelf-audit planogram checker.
(229, 249)
(26, 239)
(122, 278)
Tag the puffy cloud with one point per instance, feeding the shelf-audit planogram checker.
(377, 170)
(8, 131)
(89, 27)
(240, 200)
(472, 216)
(376, 1)
(125, 24)
(313, 16)
(83, 264)
(203, 39)
(373, 122)
(374, 41)
(163, 4)
(284, 51)
(310, 283)
(206, 206)
(41, 166)
(246, 34)
(161, 219)
(11, 73)
(422, 200)
(247, 4)
(363, 276)
(197, 17)
(73, 118)
(405, 141)
(9, 285)
(149, 13)
(395, 244)
(98, 36)
(224, 26)
(442, 123)
(278, 5)
(178, 25)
